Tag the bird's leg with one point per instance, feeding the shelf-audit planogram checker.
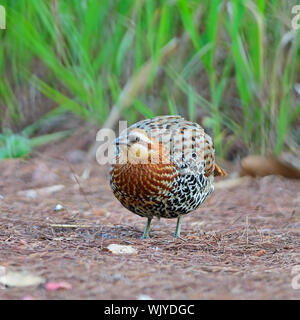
(178, 226)
(147, 229)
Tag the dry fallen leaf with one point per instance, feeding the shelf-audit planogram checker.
(52, 286)
(99, 212)
(198, 223)
(20, 279)
(261, 166)
(260, 253)
(121, 249)
(231, 183)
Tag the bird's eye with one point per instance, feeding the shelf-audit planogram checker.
(134, 139)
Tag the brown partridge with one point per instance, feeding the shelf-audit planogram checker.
(163, 167)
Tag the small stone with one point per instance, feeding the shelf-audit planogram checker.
(121, 249)
(143, 297)
(58, 207)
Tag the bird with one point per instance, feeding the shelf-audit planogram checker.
(163, 167)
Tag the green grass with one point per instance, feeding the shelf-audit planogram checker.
(20, 145)
(236, 64)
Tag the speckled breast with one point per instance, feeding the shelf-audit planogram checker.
(159, 190)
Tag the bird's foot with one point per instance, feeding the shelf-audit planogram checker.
(178, 227)
(147, 229)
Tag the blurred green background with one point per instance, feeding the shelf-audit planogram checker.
(232, 66)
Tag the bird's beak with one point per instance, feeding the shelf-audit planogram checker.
(123, 142)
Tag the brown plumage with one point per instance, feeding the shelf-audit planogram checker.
(163, 167)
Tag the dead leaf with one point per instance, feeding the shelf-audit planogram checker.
(291, 159)
(262, 166)
(260, 253)
(198, 223)
(121, 249)
(230, 183)
(99, 212)
(53, 286)
(20, 279)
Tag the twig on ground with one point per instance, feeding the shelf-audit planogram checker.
(54, 225)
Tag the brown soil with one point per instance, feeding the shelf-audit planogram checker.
(241, 244)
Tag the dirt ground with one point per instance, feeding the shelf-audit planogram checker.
(242, 243)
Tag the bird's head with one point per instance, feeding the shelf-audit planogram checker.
(136, 146)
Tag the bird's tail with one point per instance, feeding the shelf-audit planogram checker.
(219, 172)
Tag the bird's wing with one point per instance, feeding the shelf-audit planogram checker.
(190, 147)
